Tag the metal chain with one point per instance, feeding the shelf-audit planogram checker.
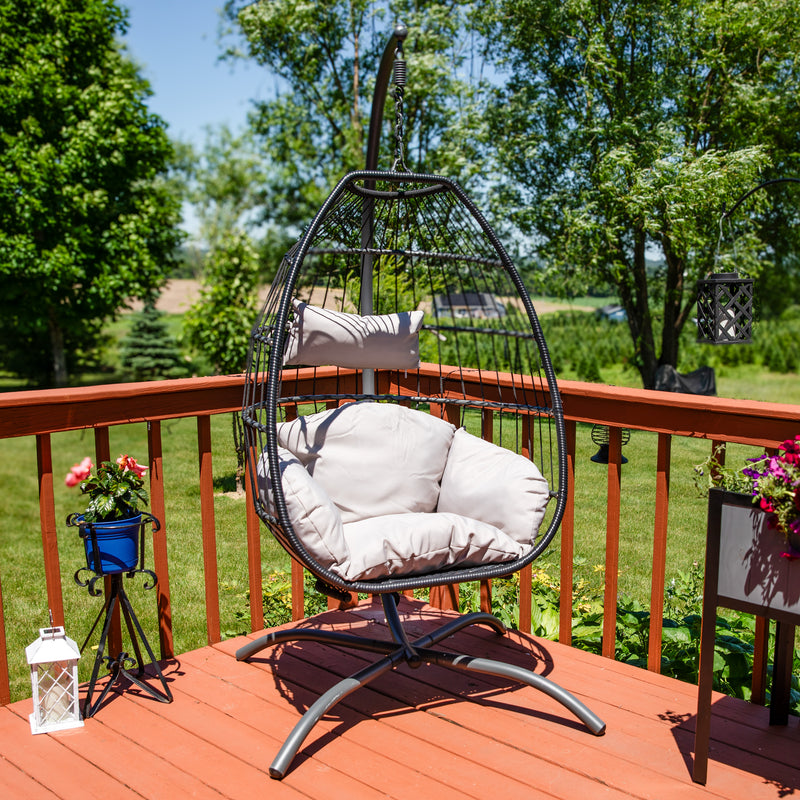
(399, 90)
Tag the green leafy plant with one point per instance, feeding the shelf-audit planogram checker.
(115, 490)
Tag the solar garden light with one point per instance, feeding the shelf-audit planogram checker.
(53, 659)
(725, 300)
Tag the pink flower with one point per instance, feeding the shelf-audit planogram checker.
(776, 468)
(79, 472)
(128, 464)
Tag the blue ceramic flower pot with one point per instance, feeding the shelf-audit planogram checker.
(117, 544)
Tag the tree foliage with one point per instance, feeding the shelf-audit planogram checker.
(218, 325)
(88, 219)
(325, 57)
(148, 351)
(629, 126)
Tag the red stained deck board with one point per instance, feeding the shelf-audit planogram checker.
(132, 762)
(50, 762)
(460, 754)
(14, 783)
(430, 732)
(375, 722)
(236, 710)
(654, 730)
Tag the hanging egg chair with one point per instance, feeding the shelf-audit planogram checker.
(403, 424)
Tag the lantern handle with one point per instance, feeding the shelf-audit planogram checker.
(726, 214)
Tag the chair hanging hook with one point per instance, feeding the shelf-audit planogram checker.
(399, 79)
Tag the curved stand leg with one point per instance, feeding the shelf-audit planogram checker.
(490, 667)
(327, 701)
(398, 651)
(333, 638)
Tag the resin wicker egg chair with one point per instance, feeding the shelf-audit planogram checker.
(403, 424)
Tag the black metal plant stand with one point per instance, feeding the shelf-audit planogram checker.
(120, 666)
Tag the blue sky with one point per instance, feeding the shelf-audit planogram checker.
(176, 42)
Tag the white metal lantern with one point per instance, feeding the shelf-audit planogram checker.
(53, 659)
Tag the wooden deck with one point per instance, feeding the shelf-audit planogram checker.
(429, 733)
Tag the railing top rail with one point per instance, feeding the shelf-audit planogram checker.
(51, 410)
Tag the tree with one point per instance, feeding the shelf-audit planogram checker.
(628, 126)
(218, 325)
(325, 58)
(88, 219)
(148, 351)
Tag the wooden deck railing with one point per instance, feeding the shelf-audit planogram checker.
(42, 413)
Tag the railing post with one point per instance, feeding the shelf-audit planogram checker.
(209, 528)
(47, 521)
(659, 552)
(160, 560)
(612, 542)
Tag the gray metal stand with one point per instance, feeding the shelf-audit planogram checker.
(396, 652)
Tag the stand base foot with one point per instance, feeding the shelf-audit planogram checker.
(401, 650)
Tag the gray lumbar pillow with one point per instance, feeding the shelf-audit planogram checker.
(318, 336)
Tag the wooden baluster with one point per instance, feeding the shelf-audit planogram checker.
(659, 552)
(612, 542)
(209, 528)
(758, 682)
(47, 520)
(487, 434)
(445, 597)
(255, 578)
(568, 542)
(160, 560)
(5, 682)
(102, 452)
(298, 591)
(526, 573)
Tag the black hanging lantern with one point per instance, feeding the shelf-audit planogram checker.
(725, 309)
(724, 300)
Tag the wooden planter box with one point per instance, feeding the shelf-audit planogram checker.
(746, 571)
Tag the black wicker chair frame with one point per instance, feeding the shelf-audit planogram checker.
(384, 242)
